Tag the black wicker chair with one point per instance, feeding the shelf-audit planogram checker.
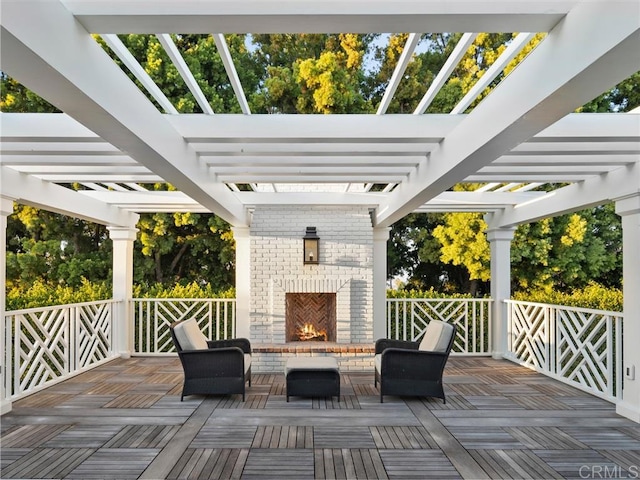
(414, 368)
(211, 367)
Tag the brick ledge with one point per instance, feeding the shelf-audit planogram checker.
(313, 347)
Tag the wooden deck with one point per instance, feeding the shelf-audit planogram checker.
(125, 420)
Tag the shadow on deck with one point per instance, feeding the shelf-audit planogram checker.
(125, 420)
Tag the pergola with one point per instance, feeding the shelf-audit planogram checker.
(112, 139)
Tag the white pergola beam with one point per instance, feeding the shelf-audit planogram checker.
(290, 162)
(96, 171)
(119, 48)
(493, 71)
(60, 128)
(232, 73)
(306, 16)
(445, 72)
(336, 170)
(447, 201)
(101, 178)
(101, 97)
(362, 177)
(68, 159)
(32, 191)
(576, 66)
(398, 72)
(591, 192)
(564, 160)
(184, 71)
(303, 129)
(312, 149)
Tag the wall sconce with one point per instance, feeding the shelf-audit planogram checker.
(311, 246)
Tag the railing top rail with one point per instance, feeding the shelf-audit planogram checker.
(610, 313)
(439, 299)
(57, 307)
(183, 299)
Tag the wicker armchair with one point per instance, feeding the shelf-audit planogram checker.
(219, 367)
(414, 368)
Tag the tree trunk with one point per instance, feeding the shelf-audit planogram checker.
(158, 258)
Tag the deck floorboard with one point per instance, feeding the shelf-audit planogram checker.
(125, 420)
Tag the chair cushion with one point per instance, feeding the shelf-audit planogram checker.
(436, 337)
(189, 335)
(377, 361)
(247, 362)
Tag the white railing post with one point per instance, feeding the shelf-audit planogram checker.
(610, 357)
(122, 239)
(380, 237)
(500, 243)
(242, 236)
(6, 209)
(552, 335)
(629, 210)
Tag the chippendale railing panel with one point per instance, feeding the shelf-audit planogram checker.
(530, 337)
(407, 319)
(579, 346)
(46, 345)
(153, 316)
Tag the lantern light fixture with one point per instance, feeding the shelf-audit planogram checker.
(311, 247)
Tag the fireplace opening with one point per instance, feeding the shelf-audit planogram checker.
(310, 317)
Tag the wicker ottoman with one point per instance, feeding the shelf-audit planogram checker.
(312, 377)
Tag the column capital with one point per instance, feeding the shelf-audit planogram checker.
(6, 205)
(241, 232)
(122, 233)
(381, 233)
(628, 205)
(501, 234)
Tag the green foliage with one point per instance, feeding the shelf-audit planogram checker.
(464, 242)
(594, 296)
(14, 97)
(41, 294)
(178, 247)
(189, 290)
(52, 248)
(431, 293)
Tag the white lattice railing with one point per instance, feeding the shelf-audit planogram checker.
(44, 346)
(407, 319)
(578, 346)
(152, 317)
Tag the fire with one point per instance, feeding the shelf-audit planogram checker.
(308, 332)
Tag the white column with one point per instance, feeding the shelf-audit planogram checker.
(629, 209)
(380, 237)
(500, 241)
(122, 238)
(6, 209)
(242, 236)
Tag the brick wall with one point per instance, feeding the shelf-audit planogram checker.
(346, 267)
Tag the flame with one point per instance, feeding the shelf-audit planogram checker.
(308, 332)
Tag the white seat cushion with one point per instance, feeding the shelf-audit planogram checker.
(189, 335)
(436, 337)
(377, 361)
(247, 362)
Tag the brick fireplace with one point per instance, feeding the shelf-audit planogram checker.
(310, 317)
(343, 277)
